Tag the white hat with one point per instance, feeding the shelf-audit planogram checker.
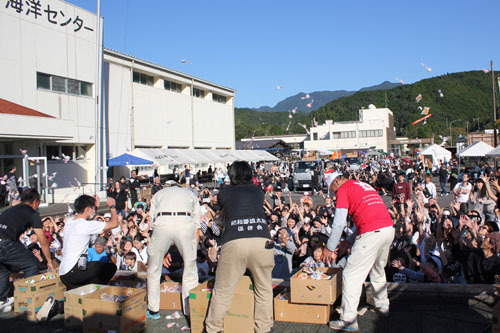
(107, 215)
(331, 176)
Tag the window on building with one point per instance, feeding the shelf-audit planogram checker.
(58, 84)
(43, 81)
(370, 133)
(85, 88)
(347, 134)
(172, 86)
(315, 136)
(142, 78)
(73, 86)
(335, 135)
(219, 98)
(63, 85)
(198, 93)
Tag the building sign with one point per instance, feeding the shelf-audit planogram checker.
(52, 13)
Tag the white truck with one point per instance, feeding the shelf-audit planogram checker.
(303, 172)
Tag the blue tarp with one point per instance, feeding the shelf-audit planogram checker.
(127, 159)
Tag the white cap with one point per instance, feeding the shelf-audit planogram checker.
(107, 215)
(331, 176)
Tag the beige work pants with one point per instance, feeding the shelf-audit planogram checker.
(368, 256)
(178, 230)
(236, 257)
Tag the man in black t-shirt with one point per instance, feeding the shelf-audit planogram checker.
(134, 185)
(14, 257)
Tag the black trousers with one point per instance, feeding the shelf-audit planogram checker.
(14, 257)
(97, 272)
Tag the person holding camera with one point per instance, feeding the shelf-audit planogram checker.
(75, 271)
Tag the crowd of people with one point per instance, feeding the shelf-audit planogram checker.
(459, 243)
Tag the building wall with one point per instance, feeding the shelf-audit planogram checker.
(161, 118)
(58, 39)
(370, 119)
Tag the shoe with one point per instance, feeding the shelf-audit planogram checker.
(6, 305)
(383, 311)
(46, 309)
(153, 315)
(340, 325)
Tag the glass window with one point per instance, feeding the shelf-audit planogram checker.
(142, 78)
(86, 89)
(58, 84)
(219, 98)
(136, 77)
(73, 86)
(42, 81)
(335, 135)
(315, 136)
(172, 86)
(198, 93)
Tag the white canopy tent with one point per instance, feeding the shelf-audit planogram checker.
(477, 149)
(178, 157)
(436, 153)
(495, 152)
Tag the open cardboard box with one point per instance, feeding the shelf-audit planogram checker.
(310, 291)
(73, 305)
(170, 295)
(104, 316)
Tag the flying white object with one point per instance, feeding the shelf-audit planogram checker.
(426, 67)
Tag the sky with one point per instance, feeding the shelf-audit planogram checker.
(303, 46)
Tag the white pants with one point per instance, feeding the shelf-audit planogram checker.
(369, 255)
(180, 231)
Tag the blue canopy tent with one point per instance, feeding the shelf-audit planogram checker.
(127, 159)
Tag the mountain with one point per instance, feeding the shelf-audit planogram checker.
(383, 86)
(318, 99)
(467, 96)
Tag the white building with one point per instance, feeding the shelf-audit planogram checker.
(51, 106)
(374, 129)
(151, 106)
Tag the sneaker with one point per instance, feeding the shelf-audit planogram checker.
(6, 305)
(153, 315)
(383, 311)
(340, 325)
(46, 309)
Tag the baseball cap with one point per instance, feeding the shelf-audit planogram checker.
(101, 241)
(331, 176)
(107, 215)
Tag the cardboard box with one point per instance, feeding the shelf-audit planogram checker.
(29, 297)
(310, 291)
(240, 316)
(41, 285)
(28, 306)
(285, 310)
(171, 296)
(129, 279)
(104, 316)
(73, 305)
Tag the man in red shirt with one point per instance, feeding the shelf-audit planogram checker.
(369, 252)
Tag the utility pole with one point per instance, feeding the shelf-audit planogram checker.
(494, 105)
(477, 123)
